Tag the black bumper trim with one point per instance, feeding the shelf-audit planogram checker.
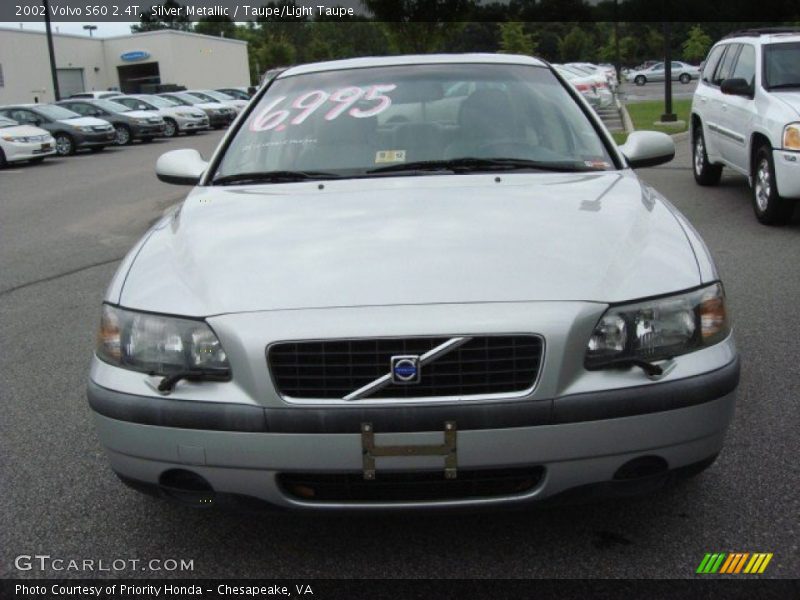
(594, 406)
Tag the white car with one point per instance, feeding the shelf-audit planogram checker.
(746, 116)
(23, 142)
(608, 72)
(584, 84)
(177, 119)
(599, 81)
(218, 114)
(681, 71)
(101, 95)
(224, 99)
(481, 306)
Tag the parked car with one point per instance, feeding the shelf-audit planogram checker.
(746, 116)
(23, 143)
(584, 84)
(608, 72)
(224, 99)
(329, 323)
(599, 81)
(129, 125)
(177, 118)
(681, 71)
(241, 93)
(219, 115)
(71, 131)
(101, 95)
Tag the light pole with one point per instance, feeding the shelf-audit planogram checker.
(668, 116)
(90, 29)
(53, 73)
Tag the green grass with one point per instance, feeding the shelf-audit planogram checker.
(644, 114)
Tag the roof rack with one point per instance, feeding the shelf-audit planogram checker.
(759, 31)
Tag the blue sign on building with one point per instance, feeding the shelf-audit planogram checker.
(134, 55)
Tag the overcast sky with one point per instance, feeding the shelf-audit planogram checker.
(103, 29)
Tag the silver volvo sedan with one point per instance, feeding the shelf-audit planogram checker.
(414, 282)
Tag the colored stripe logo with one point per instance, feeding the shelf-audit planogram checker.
(734, 563)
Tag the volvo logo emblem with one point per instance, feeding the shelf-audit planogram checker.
(406, 369)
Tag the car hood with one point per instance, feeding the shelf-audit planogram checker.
(207, 105)
(790, 99)
(84, 122)
(411, 240)
(23, 130)
(141, 114)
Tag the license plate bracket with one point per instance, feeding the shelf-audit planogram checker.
(370, 451)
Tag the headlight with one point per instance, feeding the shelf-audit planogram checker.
(142, 121)
(791, 136)
(158, 344)
(84, 128)
(185, 115)
(18, 138)
(660, 328)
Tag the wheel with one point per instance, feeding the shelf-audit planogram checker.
(3, 162)
(97, 149)
(704, 172)
(769, 207)
(685, 78)
(64, 144)
(123, 135)
(170, 128)
(640, 80)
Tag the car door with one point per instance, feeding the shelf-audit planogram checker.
(738, 112)
(717, 103)
(656, 72)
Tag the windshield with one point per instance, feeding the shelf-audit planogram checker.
(782, 65)
(189, 98)
(213, 96)
(111, 106)
(353, 122)
(156, 101)
(57, 113)
(237, 94)
(175, 101)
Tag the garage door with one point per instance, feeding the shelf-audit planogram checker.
(70, 81)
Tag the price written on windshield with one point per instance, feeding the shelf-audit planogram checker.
(372, 100)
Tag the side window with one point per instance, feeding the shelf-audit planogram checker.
(129, 102)
(711, 62)
(658, 67)
(23, 116)
(746, 65)
(726, 64)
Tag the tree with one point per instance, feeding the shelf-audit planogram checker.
(696, 45)
(148, 22)
(574, 45)
(420, 26)
(514, 39)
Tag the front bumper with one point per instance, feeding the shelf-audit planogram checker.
(191, 124)
(85, 139)
(787, 172)
(578, 439)
(19, 151)
(221, 119)
(141, 130)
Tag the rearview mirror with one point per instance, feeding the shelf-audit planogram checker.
(181, 167)
(648, 149)
(736, 87)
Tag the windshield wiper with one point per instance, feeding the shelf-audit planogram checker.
(471, 164)
(272, 177)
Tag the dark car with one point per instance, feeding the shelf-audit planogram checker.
(71, 131)
(129, 124)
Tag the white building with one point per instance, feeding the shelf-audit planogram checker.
(122, 62)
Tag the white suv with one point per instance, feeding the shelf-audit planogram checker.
(746, 116)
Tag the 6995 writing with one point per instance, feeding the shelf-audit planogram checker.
(335, 103)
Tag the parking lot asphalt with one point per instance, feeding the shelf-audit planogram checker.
(631, 92)
(66, 223)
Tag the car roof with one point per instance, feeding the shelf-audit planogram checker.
(411, 59)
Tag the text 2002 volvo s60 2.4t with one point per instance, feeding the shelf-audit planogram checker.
(413, 282)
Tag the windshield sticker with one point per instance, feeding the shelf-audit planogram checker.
(390, 156)
(597, 164)
(372, 100)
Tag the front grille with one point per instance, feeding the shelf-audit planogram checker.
(332, 369)
(102, 127)
(418, 486)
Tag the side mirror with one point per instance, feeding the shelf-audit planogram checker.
(736, 87)
(648, 149)
(181, 167)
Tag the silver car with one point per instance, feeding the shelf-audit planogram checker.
(681, 71)
(357, 310)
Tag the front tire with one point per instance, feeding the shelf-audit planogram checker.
(170, 128)
(685, 78)
(123, 135)
(3, 161)
(769, 207)
(640, 80)
(704, 172)
(64, 145)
